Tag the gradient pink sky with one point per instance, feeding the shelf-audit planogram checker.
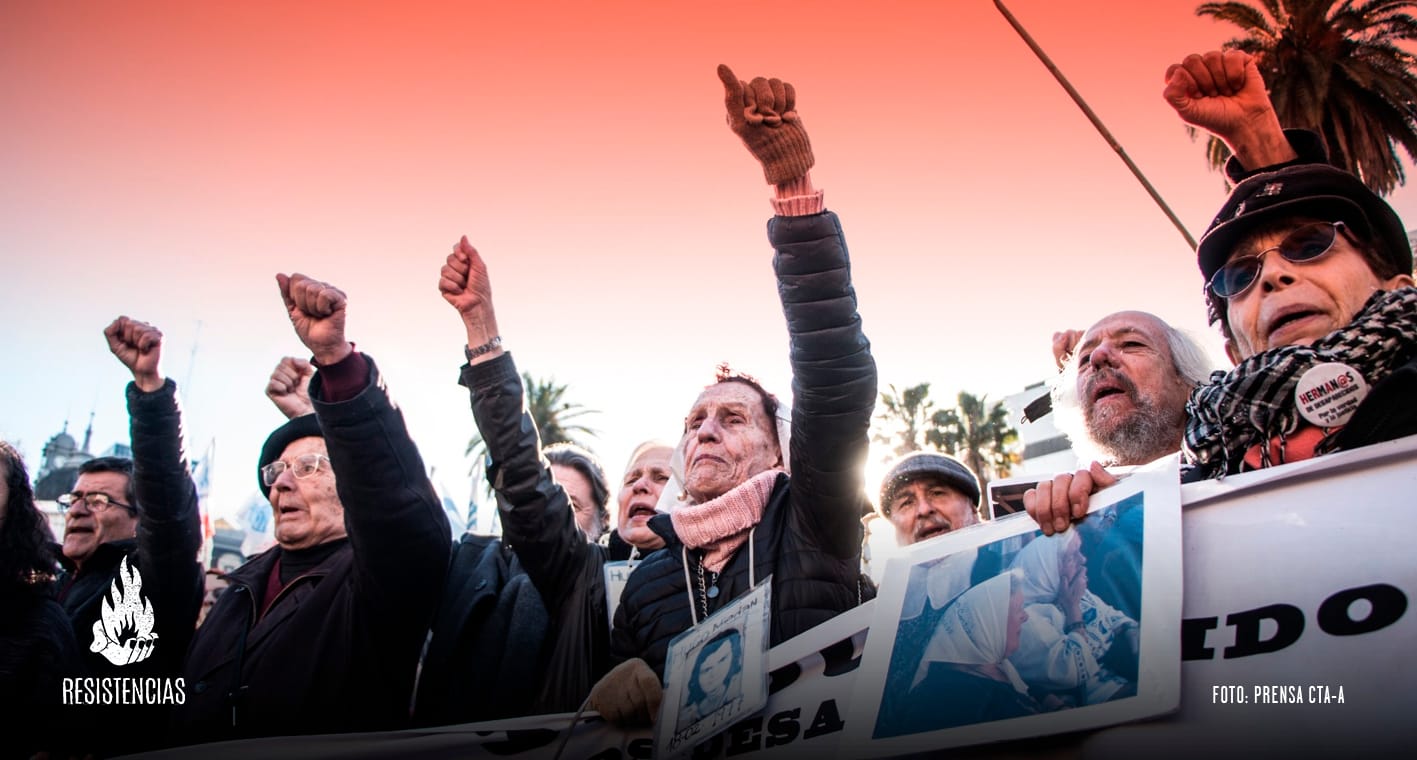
(165, 159)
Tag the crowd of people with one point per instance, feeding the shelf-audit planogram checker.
(364, 617)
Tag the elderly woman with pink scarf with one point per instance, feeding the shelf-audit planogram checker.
(743, 519)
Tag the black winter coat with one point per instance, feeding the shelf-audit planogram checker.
(1388, 413)
(809, 539)
(165, 556)
(540, 526)
(165, 550)
(338, 648)
(484, 658)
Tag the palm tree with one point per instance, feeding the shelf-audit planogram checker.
(978, 434)
(553, 415)
(1335, 67)
(905, 419)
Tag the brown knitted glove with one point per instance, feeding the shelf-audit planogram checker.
(629, 695)
(763, 113)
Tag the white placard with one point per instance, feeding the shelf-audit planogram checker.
(970, 642)
(715, 673)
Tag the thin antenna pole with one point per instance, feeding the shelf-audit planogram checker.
(1096, 122)
(186, 387)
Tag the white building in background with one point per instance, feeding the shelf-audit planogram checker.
(1046, 451)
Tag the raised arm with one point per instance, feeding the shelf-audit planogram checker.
(1223, 93)
(169, 524)
(833, 374)
(537, 518)
(394, 519)
(289, 387)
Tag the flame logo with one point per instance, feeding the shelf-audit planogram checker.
(123, 634)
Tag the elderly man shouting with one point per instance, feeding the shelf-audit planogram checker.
(322, 633)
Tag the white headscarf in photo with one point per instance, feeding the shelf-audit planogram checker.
(974, 630)
(1039, 563)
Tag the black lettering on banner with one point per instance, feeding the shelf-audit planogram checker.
(1288, 618)
(1389, 603)
(827, 720)
(783, 727)
(746, 736)
(1193, 631)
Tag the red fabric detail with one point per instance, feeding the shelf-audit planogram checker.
(1296, 447)
(273, 588)
(345, 379)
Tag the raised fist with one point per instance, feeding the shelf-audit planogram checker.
(1221, 92)
(317, 312)
(289, 387)
(464, 284)
(139, 346)
(763, 113)
(463, 280)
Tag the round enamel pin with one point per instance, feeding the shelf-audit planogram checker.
(1328, 394)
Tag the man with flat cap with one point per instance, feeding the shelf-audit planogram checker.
(926, 494)
(322, 633)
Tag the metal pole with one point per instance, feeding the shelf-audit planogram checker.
(1096, 122)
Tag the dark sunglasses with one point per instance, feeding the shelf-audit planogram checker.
(1306, 243)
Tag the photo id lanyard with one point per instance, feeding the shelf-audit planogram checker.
(706, 591)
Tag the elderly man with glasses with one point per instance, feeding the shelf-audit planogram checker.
(1309, 274)
(321, 634)
(132, 532)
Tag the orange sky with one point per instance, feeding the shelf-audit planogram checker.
(165, 159)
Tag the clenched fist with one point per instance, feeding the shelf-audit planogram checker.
(139, 346)
(289, 387)
(1223, 93)
(465, 286)
(317, 312)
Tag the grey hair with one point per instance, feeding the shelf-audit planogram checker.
(570, 455)
(1191, 361)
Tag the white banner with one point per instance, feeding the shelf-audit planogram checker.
(1297, 639)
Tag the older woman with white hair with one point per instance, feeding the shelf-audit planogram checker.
(743, 519)
(1068, 639)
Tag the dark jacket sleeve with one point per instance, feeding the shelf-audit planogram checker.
(537, 519)
(1308, 145)
(396, 523)
(833, 380)
(169, 524)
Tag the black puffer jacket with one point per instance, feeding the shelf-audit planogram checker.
(164, 554)
(540, 526)
(165, 550)
(484, 657)
(809, 539)
(337, 649)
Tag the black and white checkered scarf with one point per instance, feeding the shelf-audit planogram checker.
(1254, 402)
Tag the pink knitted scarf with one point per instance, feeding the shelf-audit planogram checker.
(720, 526)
